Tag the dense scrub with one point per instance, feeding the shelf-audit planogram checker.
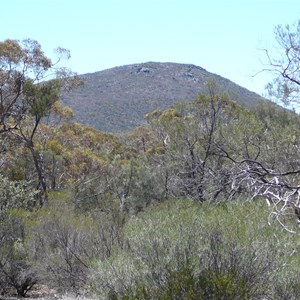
(175, 210)
(179, 249)
(186, 250)
(202, 203)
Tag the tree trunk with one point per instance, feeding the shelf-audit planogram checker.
(38, 163)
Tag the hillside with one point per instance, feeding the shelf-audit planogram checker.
(117, 99)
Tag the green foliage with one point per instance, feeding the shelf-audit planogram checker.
(28, 96)
(23, 67)
(133, 183)
(65, 243)
(168, 211)
(41, 98)
(15, 194)
(15, 267)
(184, 250)
(193, 137)
(285, 65)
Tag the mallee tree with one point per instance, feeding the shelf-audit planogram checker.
(30, 85)
(285, 64)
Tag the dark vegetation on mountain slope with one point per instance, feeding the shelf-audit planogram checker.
(117, 99)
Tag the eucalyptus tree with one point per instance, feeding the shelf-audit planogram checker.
(213, 150)
(30, 85)
(190, 156)
(285, 63)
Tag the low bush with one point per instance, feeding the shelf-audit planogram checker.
(16, 272)
(186, 250)
(65, 243)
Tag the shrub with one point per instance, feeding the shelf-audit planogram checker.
(16, 272)
(186, 250)
(66, 243)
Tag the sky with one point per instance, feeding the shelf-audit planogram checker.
(226, 37)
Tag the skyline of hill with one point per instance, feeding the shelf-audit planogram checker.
(117, 99)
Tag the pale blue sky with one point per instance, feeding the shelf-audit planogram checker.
(224, 37)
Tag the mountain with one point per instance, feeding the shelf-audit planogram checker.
(117, 99)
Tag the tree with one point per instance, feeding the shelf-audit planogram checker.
(213, 149)
(279, 181)
(272, 171)
(285, 64)
(190, 158)
(25, 95)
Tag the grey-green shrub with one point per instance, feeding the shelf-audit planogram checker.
(227, 251)
(65, 243)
